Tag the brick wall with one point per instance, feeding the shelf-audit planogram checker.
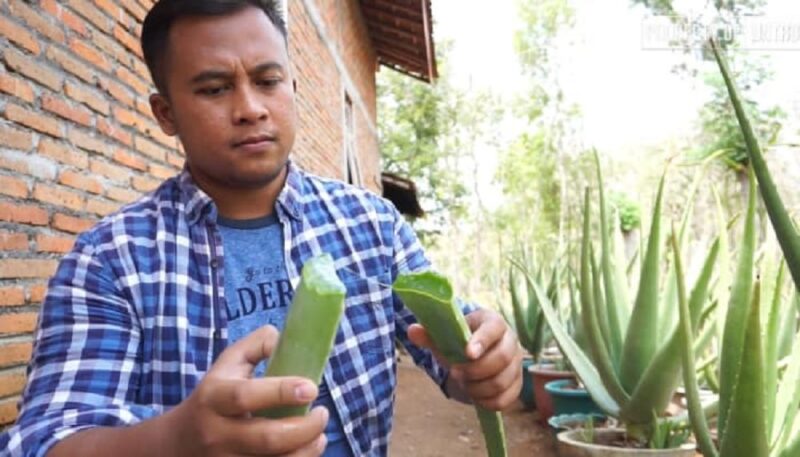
(77, 139)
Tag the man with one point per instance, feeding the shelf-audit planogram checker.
(154, 324)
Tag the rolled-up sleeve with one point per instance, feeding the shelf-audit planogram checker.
(85, 367)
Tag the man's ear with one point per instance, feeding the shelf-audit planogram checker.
(162, 110)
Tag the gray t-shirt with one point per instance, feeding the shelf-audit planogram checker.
(258, 292)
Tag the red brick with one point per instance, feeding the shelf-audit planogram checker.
(112, 131)
(24, 65)
(135, 9)
(37, 121)
(71, 64)
(11, 384)
(145, 184)
(129, 160)
(44, 25)
(15, 354)
(127, 40)
(48, 243)
(24, 214)
(13, 241)
(16, 322)
(168, 141)
(19, 35)
(90, 12)
(80, 181)
(101, 207)
(121, 194)
(161, 172)
(60, 151)
(176, 160)
(143, 106)
(127, 117)
(88, 97)
(119, 92)
(37, 292)
(65, 16)
(89, 54)
(58, 106)
(149, 148)
(87, 141)
(15, 138)
(59, 196)
(14, 187)
(71, 224)
(134, 82)
(8, 410)
(27, 268)
(16, 87)
(112, 8)
(112, 172)
(12, 295)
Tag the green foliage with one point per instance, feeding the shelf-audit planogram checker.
(627, 210)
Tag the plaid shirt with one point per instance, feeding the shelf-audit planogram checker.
(134, 316)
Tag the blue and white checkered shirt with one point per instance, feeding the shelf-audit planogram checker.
(134, 316)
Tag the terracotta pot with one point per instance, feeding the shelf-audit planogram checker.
(571, 444)
(541, 375)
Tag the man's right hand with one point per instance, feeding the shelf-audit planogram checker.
(217, 418)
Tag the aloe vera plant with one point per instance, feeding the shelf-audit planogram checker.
(527, 318)
(307, 338)
(633, 366)
(758, 408)
(430, 297)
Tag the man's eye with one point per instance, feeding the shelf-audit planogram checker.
(269, 82)
(211, 90)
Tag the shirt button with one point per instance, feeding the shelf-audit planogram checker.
(214, 263)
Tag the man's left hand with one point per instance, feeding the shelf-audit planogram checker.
(492, 377)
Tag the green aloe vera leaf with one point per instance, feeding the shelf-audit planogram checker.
(782, 223)
(745, 432)
(787, 404)
(617, 311)
(311, 324)
(640, 343)
(590, 316)
(654, 392)
(725, 280)
(686, 332)
(583, 366)
(520, 312)
(601, 308)
(771, 342)
(736, 318)
(430, 297)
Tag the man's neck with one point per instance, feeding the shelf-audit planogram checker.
(241, 203)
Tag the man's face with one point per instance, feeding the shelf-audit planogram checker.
(230, 98)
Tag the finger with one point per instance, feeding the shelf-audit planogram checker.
(314, 449)
(502, 400)
(420, 337)
(495, 385)
(488, 328)
(239, 359)
(496, 359)
(278, 436)
(237, 397)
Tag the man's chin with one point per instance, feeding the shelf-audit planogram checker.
(253, 181)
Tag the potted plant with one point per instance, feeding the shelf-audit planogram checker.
(634, 362)
(758, 409)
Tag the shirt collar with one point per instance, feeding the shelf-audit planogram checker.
(200, 207)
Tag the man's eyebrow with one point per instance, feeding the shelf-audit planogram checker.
(266, 66)
(210, 75)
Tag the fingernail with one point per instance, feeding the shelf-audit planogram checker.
(477, 348)
(304, 392)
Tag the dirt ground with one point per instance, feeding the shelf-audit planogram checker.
(427, 424)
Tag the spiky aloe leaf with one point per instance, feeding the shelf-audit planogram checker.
(782, 223)
(654, 392)
(745, 431)
(698, 419)
(771, 342)
(590, 295)
(736, 318)
(641, 342)
(787, 404)
(520, 312)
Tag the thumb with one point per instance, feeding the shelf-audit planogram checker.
(239, 359)
(419, 336)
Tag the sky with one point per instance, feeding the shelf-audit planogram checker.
(629, 97)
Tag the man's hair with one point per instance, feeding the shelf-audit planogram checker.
(160, 18)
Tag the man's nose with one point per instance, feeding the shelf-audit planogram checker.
(247, 107)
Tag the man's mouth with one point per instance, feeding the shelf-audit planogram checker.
(254, 140)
